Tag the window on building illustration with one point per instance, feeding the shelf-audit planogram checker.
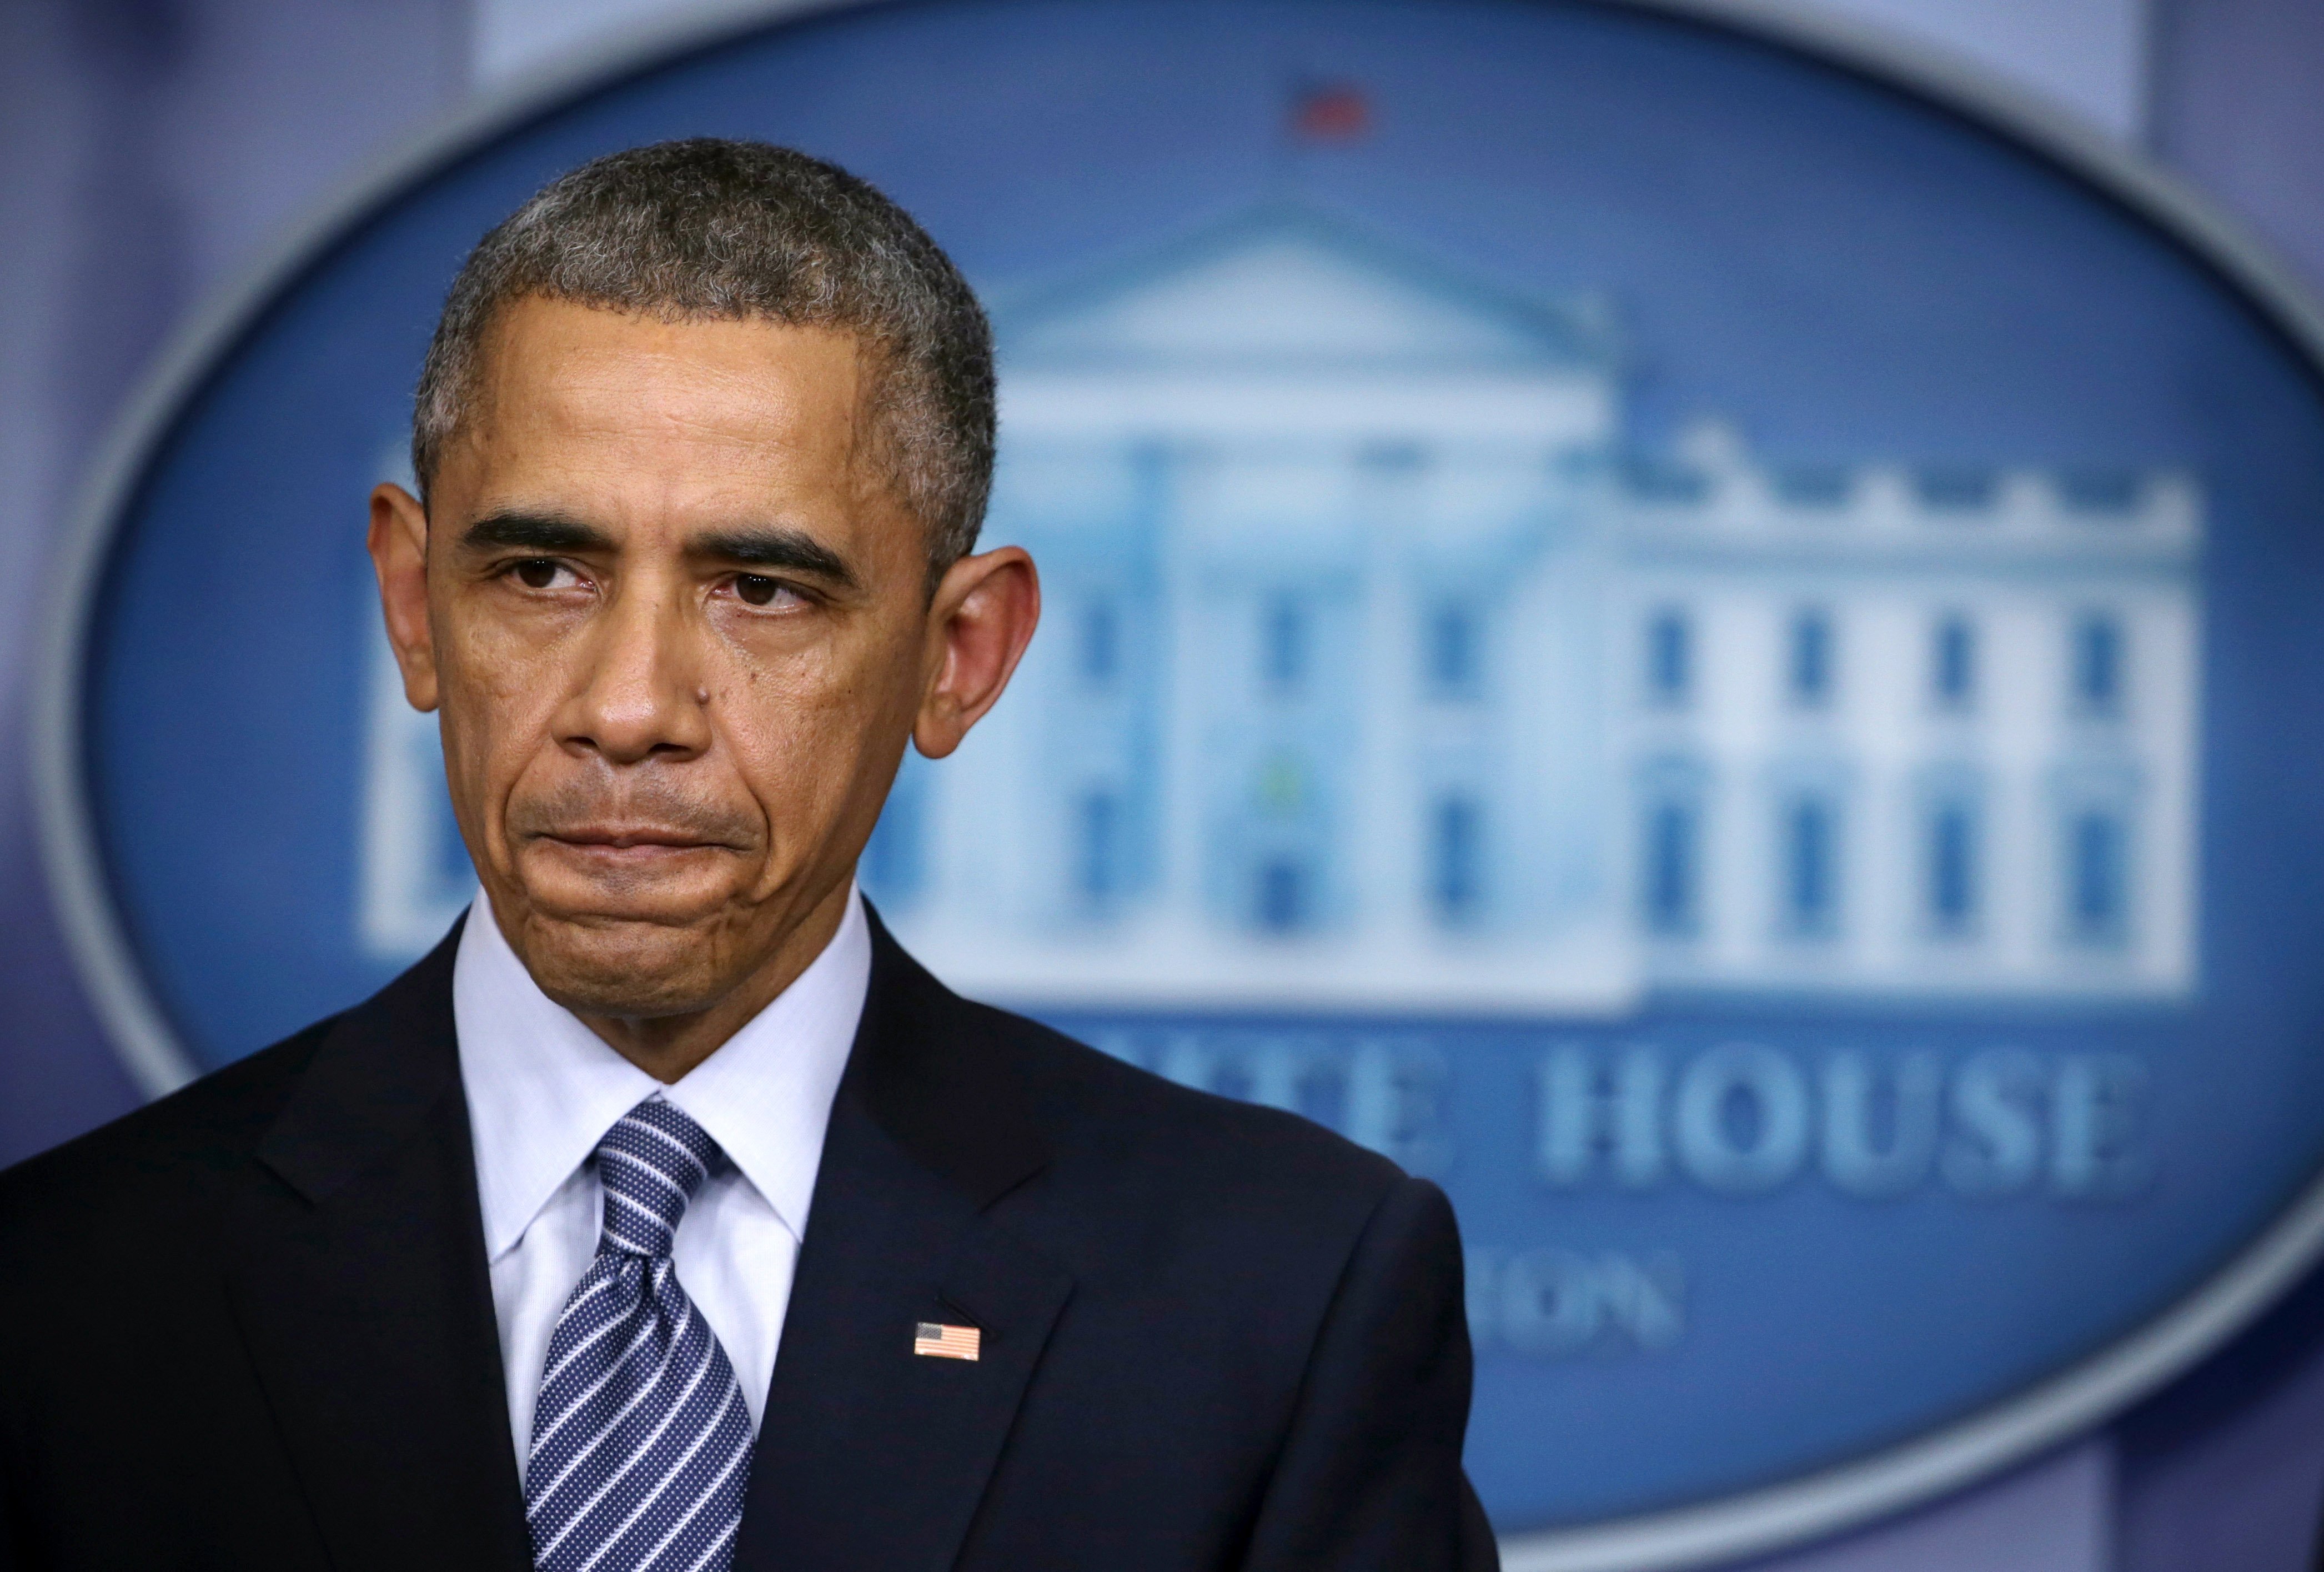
(1100, 644)
(1957, 488)
(1812, 485)
(1457, 859)
(2097, 892)
(1454, 660)
(1653, 478)
(1672, 868)
(2104, 490)
(1389, 457)
(1953, 663)
(1951, 869)
(1283, 643)
(1809, 675)
(2097, 663)
(1282, 895)
(1811, 865)
(1099, 875)
(1670, 657)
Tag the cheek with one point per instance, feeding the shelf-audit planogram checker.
(788, 733)
(811, 738)
(499, 698)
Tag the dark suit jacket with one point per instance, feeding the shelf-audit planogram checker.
(251, 1327)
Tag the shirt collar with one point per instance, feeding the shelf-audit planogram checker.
(543, 1089)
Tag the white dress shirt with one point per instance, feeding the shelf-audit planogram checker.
(542, 1091)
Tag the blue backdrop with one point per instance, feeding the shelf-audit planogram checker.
(1714, 226)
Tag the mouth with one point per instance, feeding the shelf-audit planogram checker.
(626, 841)
(622, 871)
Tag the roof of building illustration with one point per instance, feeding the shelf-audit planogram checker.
(1292, 288)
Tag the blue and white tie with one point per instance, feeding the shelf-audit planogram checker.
(640, 1442)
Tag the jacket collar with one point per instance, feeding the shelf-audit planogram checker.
(380, 1069)
(933, 1134)
(944, 1091)
(356, 1266)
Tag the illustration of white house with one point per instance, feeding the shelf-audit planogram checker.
(1378, 672)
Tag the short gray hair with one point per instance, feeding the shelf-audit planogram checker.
(711, 229)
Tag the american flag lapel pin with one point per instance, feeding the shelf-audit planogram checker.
(933, 1340)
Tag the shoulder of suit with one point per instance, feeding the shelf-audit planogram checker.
(1102, 1109)
(147, 1163)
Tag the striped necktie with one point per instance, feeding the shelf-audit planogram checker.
(640, 1442)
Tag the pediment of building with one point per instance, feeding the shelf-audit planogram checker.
(1288, 289)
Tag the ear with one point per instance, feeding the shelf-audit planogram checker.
(399, 555)
(979, 624)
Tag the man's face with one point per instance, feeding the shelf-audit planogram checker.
(679, 628)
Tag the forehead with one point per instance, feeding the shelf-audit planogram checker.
(583, 387)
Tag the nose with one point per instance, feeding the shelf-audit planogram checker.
(641, 696)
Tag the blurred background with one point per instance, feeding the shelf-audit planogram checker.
(165, 149)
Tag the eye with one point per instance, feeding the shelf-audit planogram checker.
(758, 589)
(538, 572)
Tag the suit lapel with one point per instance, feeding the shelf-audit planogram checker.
(358, 1274)
(871, 1456)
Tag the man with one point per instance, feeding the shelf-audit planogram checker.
(492, 1270)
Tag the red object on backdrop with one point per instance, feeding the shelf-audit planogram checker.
(1331, 112)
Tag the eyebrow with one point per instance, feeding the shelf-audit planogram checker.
(526, 531)
(772, 546)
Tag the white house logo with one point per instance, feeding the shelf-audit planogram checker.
(1743, 710)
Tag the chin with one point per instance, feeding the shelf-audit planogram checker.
(637, 969)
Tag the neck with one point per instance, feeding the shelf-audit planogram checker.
(670, 1047)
